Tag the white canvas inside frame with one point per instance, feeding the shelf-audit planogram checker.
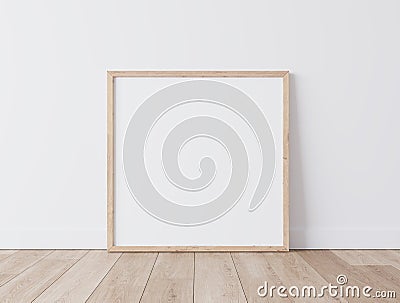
(238, 227)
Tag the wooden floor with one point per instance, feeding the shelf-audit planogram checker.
(96, 276)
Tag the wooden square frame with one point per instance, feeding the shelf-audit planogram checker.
(112, 75)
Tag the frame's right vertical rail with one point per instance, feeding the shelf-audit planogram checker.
(286, 161)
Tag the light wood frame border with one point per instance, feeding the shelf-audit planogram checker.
(111, 75)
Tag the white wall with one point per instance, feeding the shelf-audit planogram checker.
(345, 143)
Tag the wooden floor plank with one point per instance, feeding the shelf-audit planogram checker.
(254, 270)
(126, 280)
(16, 263)
(355, 257)
(326, 263)
(72, 276)
(65, 254)
(78, 283)
(370, 257)
(383, 273)
(329, 266)
(171, 279)
(5, 253)
(293, 270)
(385, 257)
(275, 269)
(32, 282)
(216, 279)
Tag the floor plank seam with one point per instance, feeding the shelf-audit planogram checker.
(240, 281)
(102, 279)
(77, 260)
(9, 255)
(148, 278)
(27, 268)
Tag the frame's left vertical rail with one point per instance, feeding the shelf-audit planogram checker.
(110, 161)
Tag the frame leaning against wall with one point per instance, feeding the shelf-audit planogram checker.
(112, 75)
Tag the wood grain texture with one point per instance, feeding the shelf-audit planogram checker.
(326, 263)
(78, 283)
(216, 279)
(171, 279)
(384, 257)
(356, 257)
(126, 280)
(5, 253)
(369, 257)
(18, 262)
(385, 276)
(329, 266)
(253, 270)
(294, 270)
(32, 282)
(73, 276)
(275, 269)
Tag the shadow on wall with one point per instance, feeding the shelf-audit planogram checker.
(298, 205)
